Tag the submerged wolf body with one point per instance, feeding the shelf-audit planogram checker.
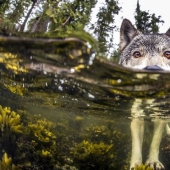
(149, 52)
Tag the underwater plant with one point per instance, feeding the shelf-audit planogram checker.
(16, 89)
(88, 155)
(142, 167)
(9, 121)
(10, 128)
(41, 129)
(33, 142)
(98, 133)
(29, 140)
(78, 121)
(111, 135)
(38, 144)
(6, 163)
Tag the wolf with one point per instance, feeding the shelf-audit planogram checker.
(141, 51)
(144, 51)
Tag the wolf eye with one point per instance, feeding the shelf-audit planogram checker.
(167, 54)
(137, 54)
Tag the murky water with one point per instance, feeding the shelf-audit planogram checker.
(73, 109)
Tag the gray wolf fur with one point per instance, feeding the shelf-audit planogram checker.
(143, 51)
(149, 52)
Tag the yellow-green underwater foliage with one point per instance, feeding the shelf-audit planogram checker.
(37, 146)
(6, 163)
(88, 155)
(10, 129)
(9, 121)
(142, 167)
(30, 142)
(101, 147)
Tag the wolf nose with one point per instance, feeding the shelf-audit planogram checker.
(154, 68)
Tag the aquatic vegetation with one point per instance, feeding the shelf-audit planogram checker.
(27, 139)
(37, 143)
(46, 153)
(9, 121)
(109, 135)
(10, 128)
(41, 130)
(65, 167)
(11, 61)
(6, 163)
(16, 89)
(79, 118)
(98, 133)
(142, 167)
(97, 155)
(77, 123)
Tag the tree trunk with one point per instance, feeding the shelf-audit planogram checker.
(28, 15)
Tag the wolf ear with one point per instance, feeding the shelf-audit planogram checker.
(127, 33)
(168, 32)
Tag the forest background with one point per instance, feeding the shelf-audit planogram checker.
(58, 16)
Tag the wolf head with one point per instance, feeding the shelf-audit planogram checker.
(144, 51)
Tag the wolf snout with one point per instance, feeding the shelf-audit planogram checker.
(153, 67)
